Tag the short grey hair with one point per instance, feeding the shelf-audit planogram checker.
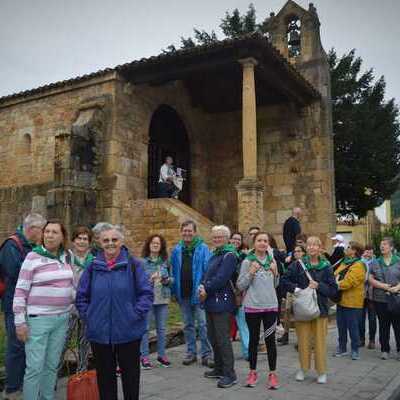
(105, 227)
(98, 228)
(221, 228)
(34, 219)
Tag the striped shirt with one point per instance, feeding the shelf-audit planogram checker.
(44, 287)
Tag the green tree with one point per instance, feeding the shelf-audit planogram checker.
(365, 126)
(366, 131)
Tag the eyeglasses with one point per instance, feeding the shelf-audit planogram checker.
(113, 240)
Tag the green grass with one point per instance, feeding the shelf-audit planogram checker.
(174, 315)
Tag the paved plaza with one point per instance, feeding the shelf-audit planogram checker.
(368, 378)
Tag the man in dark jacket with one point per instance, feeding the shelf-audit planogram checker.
(12, 255)
(291, 228)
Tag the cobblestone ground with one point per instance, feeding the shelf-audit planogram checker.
(368, 378)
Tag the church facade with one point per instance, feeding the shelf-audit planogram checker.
(249, 119)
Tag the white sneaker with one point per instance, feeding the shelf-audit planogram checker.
(322, 378)
(385, 356)
(300, 375)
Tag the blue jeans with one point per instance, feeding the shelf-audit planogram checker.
(15, 357)
(190, 314)
(243, 331)
(347, 320)
(160, 314)
(43, 351)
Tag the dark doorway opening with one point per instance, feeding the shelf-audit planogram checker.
(168, 137)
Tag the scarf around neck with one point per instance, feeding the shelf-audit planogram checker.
(395, 259)
(189, 249)
(20, 231)
(226, 248)
(83, 265)
(42, 251)
(351, 260)
(156, 261)
(322, 263)
(266, 264)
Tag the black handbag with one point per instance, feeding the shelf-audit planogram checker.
(393, 299)
(338, 296)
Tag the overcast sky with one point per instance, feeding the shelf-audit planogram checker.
(44, 41)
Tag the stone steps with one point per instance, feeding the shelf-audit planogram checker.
(142, 218)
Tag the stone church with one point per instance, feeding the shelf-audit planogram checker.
(249, 119)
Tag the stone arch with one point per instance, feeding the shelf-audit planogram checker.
(168, 136)
(26, 144)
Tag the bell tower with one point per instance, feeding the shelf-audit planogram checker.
(295, 32)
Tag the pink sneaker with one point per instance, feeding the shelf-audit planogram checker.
(252, 379)
(146, 364)
(164, 362)
(272, 382)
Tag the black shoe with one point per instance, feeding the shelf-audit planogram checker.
(227, 381)
(189, 359)
(283, 338)
(362, 343)
(207, 362)
(213, 374)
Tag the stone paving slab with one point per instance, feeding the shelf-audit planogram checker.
(366, 379)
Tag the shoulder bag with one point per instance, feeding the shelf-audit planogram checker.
(305, 301)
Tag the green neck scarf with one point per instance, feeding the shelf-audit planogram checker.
(156, 261)
(322, 263)
(42, 251)
(188, 250)
(226, 248)
(351, 260)
(395, 259)
(266, 264)
(88, 259)
(20, 231)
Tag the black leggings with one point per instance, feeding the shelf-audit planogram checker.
(269, 323)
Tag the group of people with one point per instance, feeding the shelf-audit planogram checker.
(96, 290)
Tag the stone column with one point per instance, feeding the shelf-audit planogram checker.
(249, 120)
(250, 189)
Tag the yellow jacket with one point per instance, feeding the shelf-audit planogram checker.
(353, 285)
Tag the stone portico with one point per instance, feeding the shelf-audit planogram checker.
(251, 126)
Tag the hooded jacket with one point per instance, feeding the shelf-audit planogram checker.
(200, 259)
(114, 302)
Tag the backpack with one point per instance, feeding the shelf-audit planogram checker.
(15, 238)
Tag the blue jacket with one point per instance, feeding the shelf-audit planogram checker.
(11, 260)
(218, 282)
(114, 302)
(199, 266)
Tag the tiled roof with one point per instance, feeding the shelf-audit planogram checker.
(170, 57)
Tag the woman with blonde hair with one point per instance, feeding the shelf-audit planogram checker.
(314, 331)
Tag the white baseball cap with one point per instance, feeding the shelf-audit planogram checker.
(338, 237)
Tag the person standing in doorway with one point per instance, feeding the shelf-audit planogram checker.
(166, 186)
(189, 259)
(292, 228)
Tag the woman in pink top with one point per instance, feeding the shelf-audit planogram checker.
(42, 302)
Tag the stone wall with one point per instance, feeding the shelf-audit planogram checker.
(42, 170)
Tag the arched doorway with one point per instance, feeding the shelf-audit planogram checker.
(168, 137)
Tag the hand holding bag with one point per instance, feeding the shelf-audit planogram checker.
(305, 301)
(393, 299)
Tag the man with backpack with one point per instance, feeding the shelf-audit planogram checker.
(12, 254)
